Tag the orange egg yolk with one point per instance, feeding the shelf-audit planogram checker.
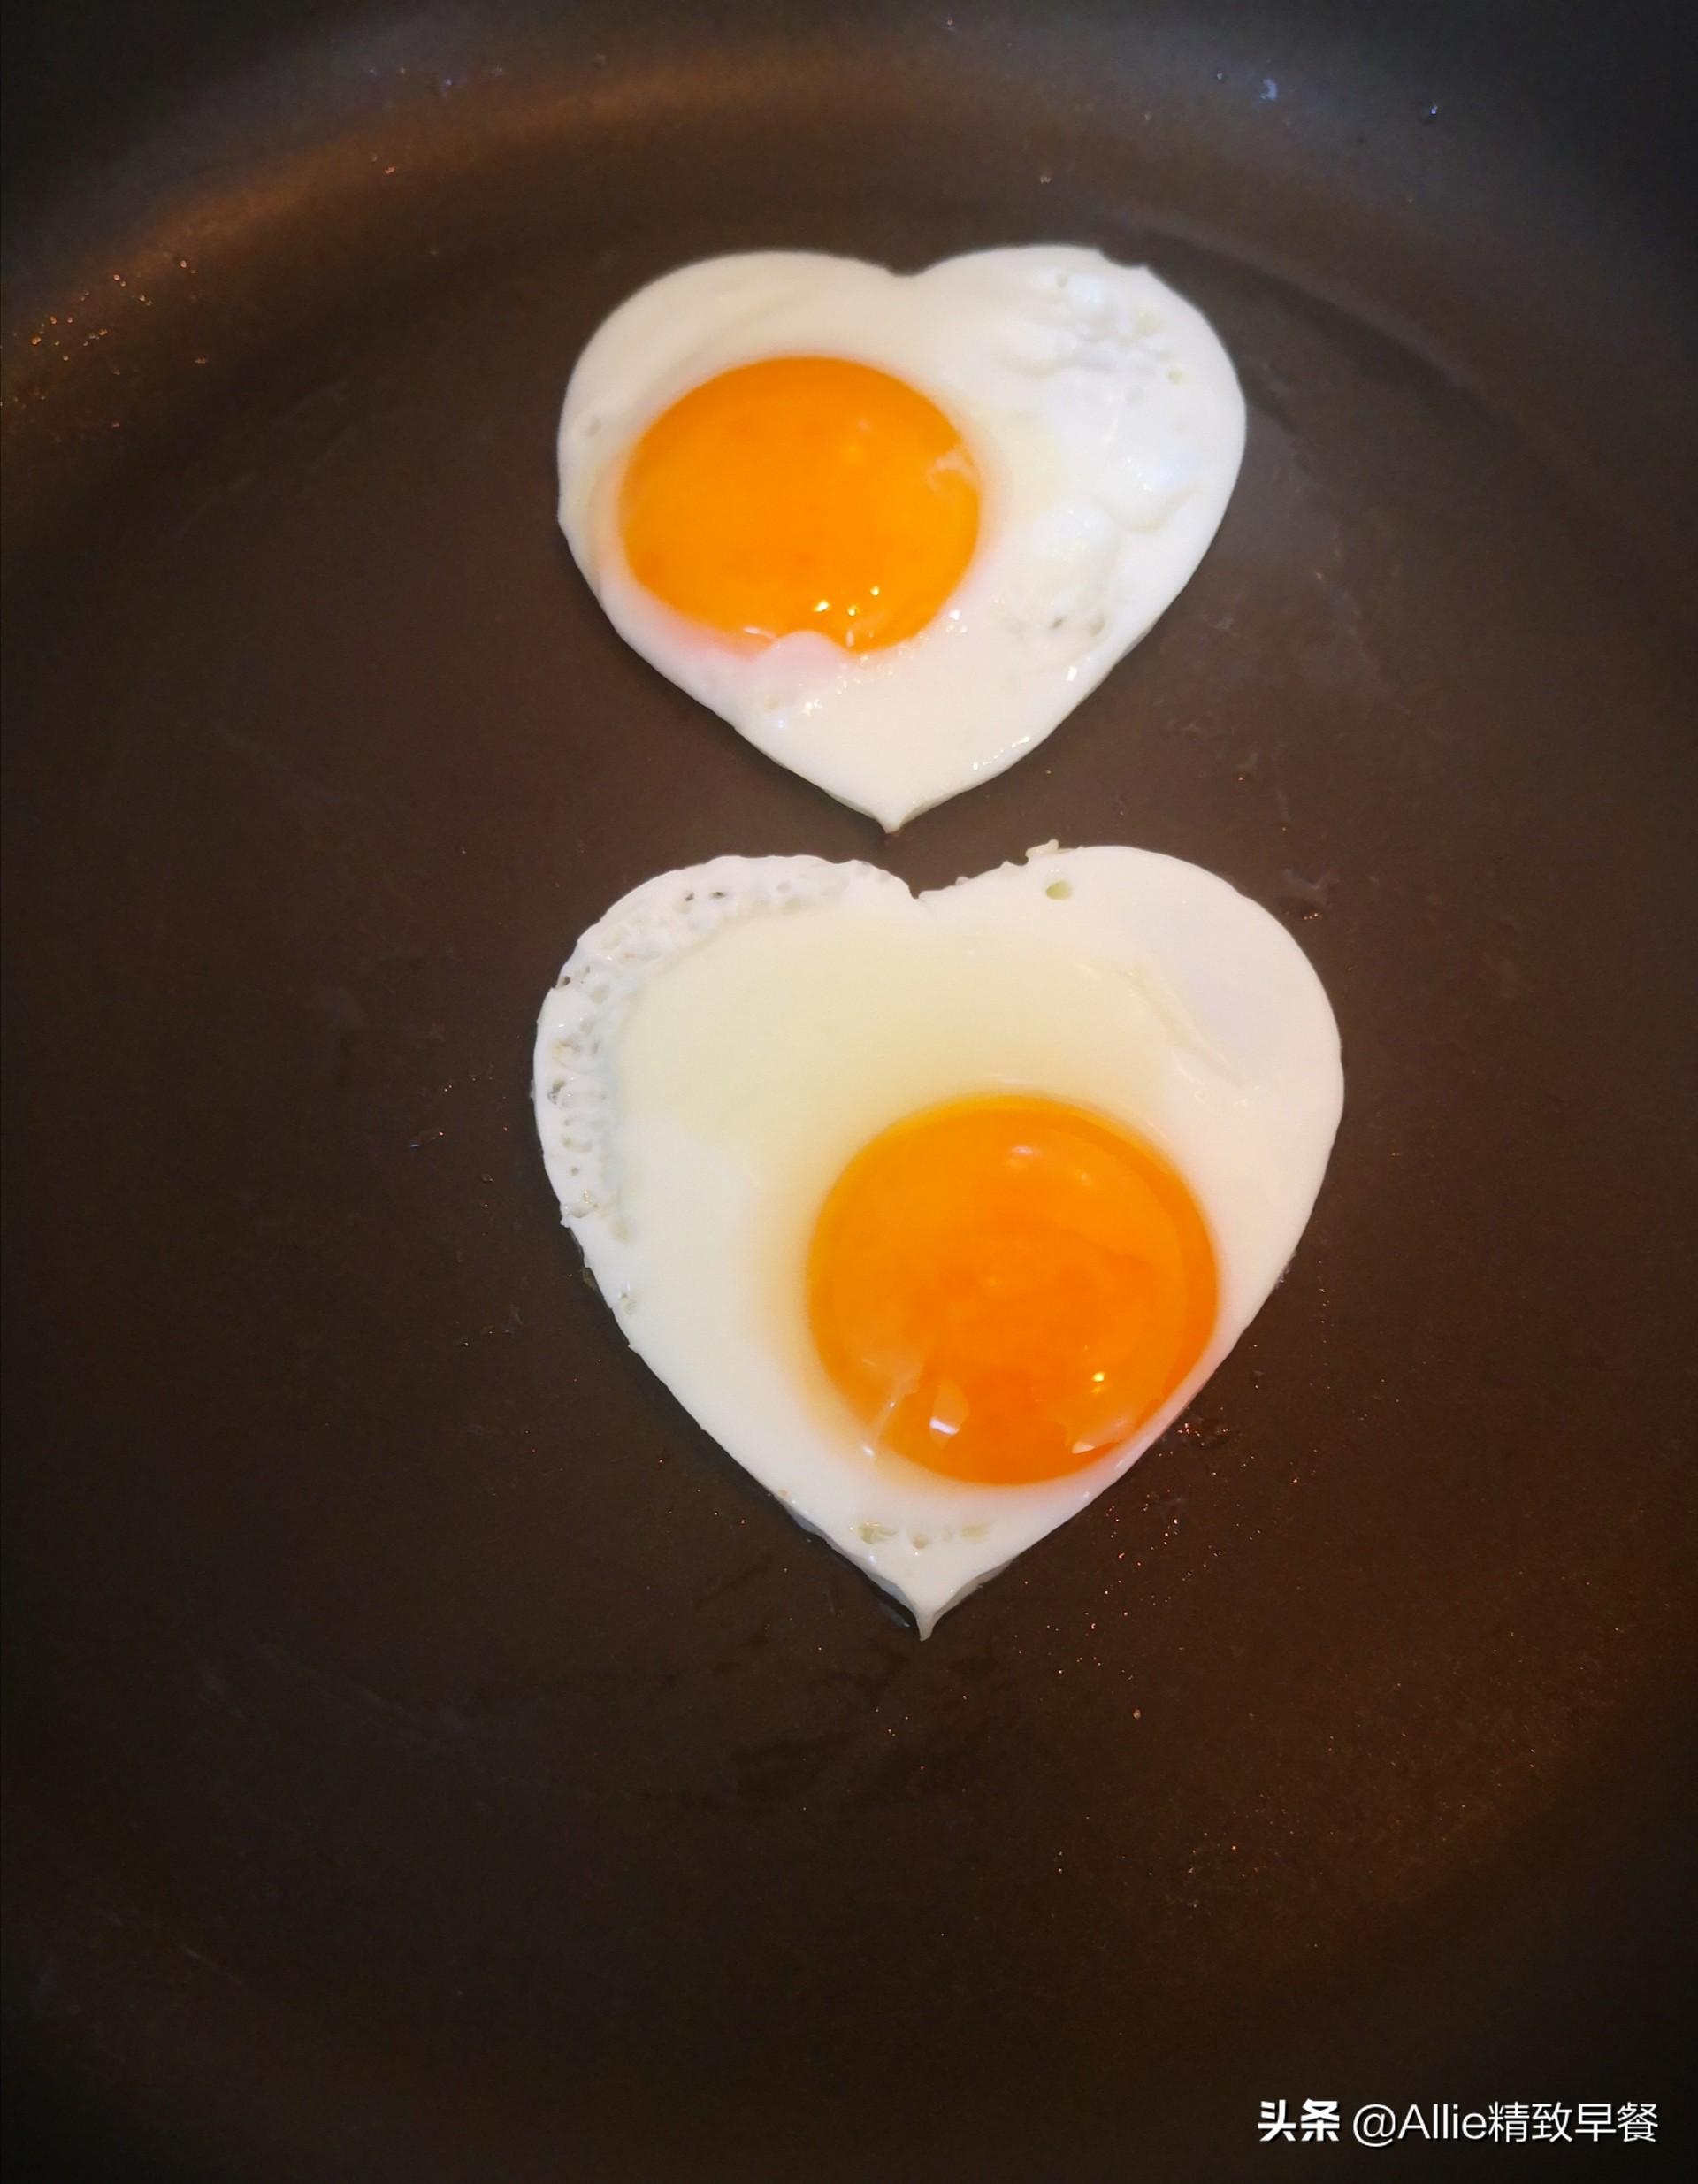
(1005, 1288)
(802, 493)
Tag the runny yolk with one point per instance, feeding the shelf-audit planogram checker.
(801, 493)
(1004, 1287)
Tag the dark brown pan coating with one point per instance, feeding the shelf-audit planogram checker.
(431, 1757)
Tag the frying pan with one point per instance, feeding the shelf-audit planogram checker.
(431, 1757)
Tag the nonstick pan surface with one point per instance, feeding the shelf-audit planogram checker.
(430, 1757)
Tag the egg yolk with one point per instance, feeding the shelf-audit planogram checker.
(1005, 1288)
(802, 493)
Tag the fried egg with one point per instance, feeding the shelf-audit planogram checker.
(935, 1210)
(893, 527)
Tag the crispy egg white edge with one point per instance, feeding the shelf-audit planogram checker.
(846, 721)
(577, 1033)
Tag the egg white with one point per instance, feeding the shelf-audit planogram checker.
(723, 1041)
(1108, 428)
